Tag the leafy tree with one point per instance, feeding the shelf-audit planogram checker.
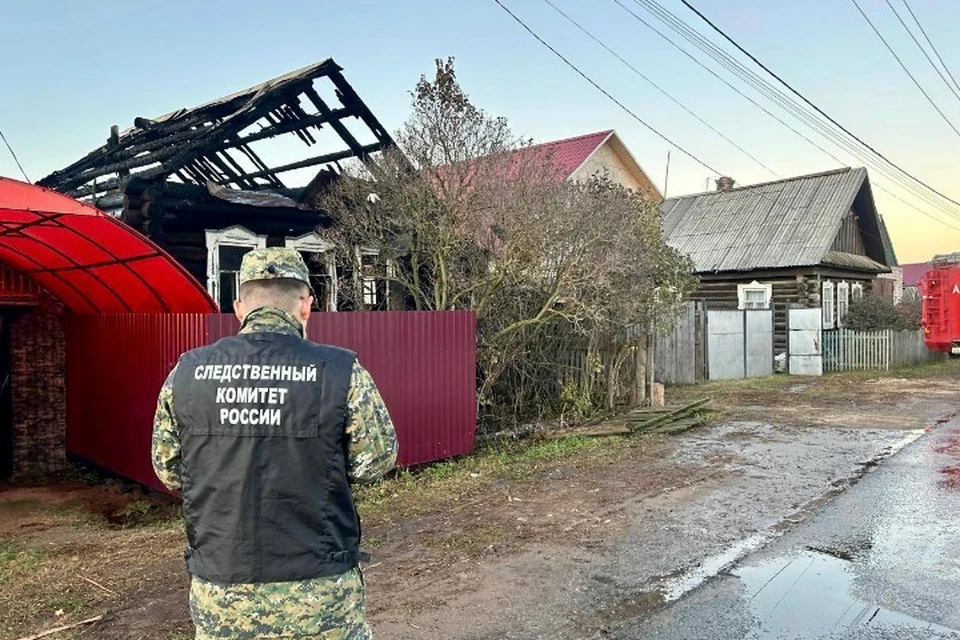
(473, 217)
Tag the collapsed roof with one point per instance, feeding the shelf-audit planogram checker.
(216, 142)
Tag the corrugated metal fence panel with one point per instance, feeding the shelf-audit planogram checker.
(424, 364)
(115, 367)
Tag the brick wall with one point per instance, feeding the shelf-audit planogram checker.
(38, 370)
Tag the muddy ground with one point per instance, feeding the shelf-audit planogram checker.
(556, 539)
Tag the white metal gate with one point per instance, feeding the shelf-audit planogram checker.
(805, 342)
(739, 343)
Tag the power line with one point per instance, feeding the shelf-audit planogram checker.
(689, 154)
(814, 106)
(15, 158)
(728, 84)
(657, 86)
(604, 91)
(930, 42)
(529, 30)
(905, 69)
(775, 96)
(922, 49)
(768, 90)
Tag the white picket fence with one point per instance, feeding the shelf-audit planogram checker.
(846, 350)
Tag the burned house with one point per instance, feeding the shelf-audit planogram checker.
(93, 314)
(210, 183)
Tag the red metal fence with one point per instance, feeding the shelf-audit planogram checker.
(423, 363)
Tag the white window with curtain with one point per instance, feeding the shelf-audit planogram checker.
(225, 251)
(843, 301)
(754, 295)
(827, 302)
(856, 291)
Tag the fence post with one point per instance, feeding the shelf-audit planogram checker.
(887, 350)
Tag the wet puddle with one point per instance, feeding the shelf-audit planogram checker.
(675, 588)
(811, 595)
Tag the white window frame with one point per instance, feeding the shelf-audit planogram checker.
(843, 301)
(235, 236)
(365, 281)
(315, 243)
(828, 303)
(856, 291)
(742, 289)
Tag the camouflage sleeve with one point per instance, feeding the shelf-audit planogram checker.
(373, 441)
(165, 447)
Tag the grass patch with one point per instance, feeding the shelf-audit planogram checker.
(411, 492)
(18, 559)
(564, 447)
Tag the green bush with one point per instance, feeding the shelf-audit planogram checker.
(873, 313)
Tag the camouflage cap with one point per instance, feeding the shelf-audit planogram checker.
(274, 262)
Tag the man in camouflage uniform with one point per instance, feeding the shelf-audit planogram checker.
(264, 449)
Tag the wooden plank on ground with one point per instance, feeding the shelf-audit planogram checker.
(676, 414)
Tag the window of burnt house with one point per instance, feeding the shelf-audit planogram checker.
(230, 258)
(362, 281)
(322, 276)
(225, 251)
(318, 254)
(374, 283)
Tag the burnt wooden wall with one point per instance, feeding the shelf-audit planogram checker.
(176, 217)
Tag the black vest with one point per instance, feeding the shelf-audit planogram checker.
(264, 459)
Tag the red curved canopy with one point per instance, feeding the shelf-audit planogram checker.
(92, 262)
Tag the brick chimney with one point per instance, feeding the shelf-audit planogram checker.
(724, 183)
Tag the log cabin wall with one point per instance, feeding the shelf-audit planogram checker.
(788, 289)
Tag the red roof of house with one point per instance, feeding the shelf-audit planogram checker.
(913, 272)
(568, 154)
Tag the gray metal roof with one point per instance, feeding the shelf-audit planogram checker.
(853, 261)
(788, 223)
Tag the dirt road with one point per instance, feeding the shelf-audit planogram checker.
(562, 539)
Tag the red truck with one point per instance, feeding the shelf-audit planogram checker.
(940, 291)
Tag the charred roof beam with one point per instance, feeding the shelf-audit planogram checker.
(195, 145)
